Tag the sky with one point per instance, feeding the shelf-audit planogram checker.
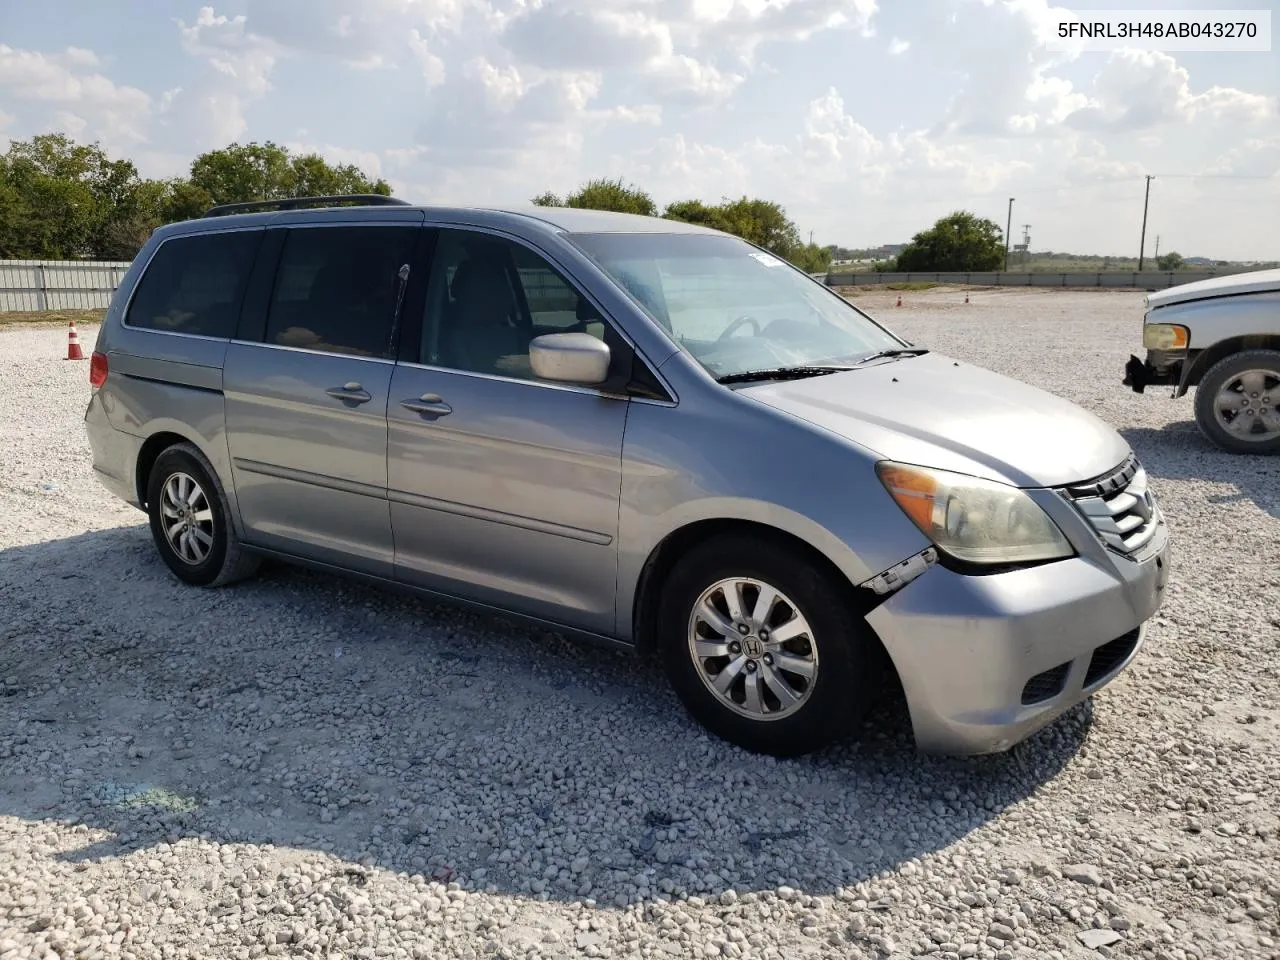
(865, 119)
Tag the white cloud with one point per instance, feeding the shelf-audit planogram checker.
(675, 169)
(648, 114)
(1139, 89)
(1257, 157)
(898, 46)
(372, 34)
(72, 124)
(555, 36)
(745, 25)
(430, 65)
(680, 78)
(67, 79)
(237, 67)
(80, 57)
(226, 43)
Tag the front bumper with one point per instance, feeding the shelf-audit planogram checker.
(1160, 368)
(985, 661)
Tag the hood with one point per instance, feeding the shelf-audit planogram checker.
(1254, 281)
(934, 411)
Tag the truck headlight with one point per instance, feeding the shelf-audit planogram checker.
(974, 520)
(1165, 336)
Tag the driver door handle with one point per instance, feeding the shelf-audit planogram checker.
(429, 404)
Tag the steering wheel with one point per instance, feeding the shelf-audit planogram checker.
(742, 321)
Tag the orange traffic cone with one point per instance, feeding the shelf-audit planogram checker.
(73, 343)
(899, 303)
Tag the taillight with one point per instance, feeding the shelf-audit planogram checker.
(97, 369)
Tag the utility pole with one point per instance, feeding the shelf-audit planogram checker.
(1142, 244)
(1007, 227)
(811, 238)
(1156, 256)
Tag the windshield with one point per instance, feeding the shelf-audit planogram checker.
(731, 306)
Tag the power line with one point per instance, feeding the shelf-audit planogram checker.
(1216, 176)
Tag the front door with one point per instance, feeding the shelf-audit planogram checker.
(306, 408)
(504, 489)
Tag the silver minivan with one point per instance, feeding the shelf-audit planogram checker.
(639, 431)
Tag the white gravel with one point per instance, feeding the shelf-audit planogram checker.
(298, 766)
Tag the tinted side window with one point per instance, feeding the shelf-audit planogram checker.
(195, 284)
(488, 298)
(337, 288)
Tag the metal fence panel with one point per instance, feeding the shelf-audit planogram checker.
(1146, 280)
(31, 285)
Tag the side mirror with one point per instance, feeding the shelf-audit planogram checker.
(569, 358)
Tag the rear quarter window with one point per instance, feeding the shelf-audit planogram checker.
(195, 284)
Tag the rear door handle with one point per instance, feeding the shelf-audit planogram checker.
(429, 404)
(350, 393)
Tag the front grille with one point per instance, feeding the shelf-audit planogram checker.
(1120, 507)
(1047, 685)
(1110, 655)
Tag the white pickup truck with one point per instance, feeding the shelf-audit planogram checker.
(1221, 336)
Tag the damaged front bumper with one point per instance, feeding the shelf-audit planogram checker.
(1160, 368)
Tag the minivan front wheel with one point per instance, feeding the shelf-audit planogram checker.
(762, 647)
(191, 520)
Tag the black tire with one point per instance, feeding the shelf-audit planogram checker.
(1221, 374)
(223, 559)
(838, 694)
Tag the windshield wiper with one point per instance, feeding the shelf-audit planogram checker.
(895, 352)
(779, 373)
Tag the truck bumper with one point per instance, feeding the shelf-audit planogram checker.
(1158, 369)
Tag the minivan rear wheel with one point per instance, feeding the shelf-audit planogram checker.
(191, 520)
(762, 647)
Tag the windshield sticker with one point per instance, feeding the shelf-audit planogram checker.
(767, 260)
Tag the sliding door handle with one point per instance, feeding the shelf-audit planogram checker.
(350, 393)
(429, 404)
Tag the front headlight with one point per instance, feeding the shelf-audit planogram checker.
(1165, 336)
(978, 521)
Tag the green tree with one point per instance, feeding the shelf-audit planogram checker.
(1170, 261)
(695, 211)
(314, 177)
(811, 258)
(136, 213)
(763, 223)
(184, 200)
(547, 199)
(62, 192)
(240, 173)
(15, 220)
(959, 241)
(604, 194)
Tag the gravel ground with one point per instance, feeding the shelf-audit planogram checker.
(299, 766)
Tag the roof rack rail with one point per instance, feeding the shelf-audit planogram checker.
(297, 203)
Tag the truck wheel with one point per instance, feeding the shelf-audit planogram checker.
(1238, 402)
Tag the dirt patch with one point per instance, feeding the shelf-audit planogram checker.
(44, 318)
